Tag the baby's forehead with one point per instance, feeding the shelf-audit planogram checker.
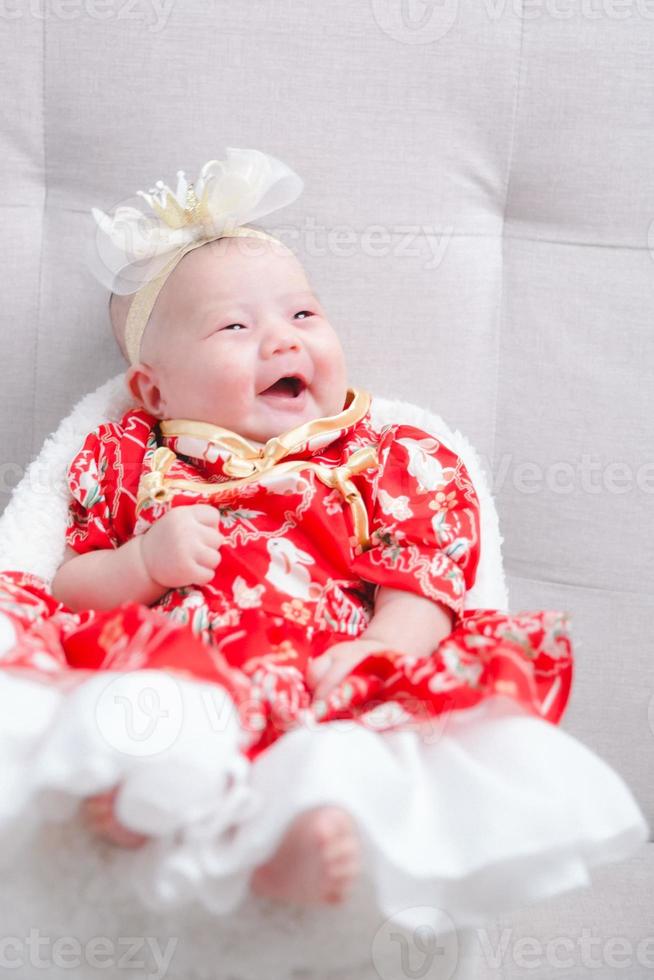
(222, 267)
(238, 252)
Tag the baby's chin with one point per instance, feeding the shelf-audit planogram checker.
(265, 422)
(277, 421)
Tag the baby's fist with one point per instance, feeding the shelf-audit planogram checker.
(183, 547)
(325, 672)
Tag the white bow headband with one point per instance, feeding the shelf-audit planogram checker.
(136, 251)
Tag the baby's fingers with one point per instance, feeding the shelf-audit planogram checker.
(330, 678)
(331, 667)
(206, 514)
(206, 557)
(210, 536)
(114, 832)
(100, 803)
(98, 815)
(201, 574)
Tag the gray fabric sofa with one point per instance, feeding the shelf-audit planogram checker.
(478, 217)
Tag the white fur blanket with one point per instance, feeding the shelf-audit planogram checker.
(32, 527)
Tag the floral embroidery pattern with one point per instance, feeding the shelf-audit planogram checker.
(296, 611)
(291, 581)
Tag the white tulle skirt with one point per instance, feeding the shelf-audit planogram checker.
(488, 811)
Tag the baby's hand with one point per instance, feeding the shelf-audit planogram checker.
(183, 547)
(328, 670)
(98, 814)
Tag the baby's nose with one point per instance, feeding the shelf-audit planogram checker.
(286, 343)
(280, 337)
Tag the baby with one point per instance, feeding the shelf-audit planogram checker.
(245, 525)
(229, 322)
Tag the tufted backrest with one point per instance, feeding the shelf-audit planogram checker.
(477, 220)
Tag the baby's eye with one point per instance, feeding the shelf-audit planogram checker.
(229, 326)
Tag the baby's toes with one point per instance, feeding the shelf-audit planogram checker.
(340, 850)
(339, 886)
(115, 833)
(341, 877)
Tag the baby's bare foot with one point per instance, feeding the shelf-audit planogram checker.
(317, 860)
(98, 814)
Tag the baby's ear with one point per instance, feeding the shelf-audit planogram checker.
(141, 381)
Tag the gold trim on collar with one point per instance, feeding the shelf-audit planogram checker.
(248, 463)
(357, 403)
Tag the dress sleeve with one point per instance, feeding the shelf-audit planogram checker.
(424, 533)
(90, 477)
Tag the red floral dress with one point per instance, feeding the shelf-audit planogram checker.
(313, 523)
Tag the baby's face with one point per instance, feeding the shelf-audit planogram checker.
(232, 318)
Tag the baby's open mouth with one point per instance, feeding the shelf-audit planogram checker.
(288, 386)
